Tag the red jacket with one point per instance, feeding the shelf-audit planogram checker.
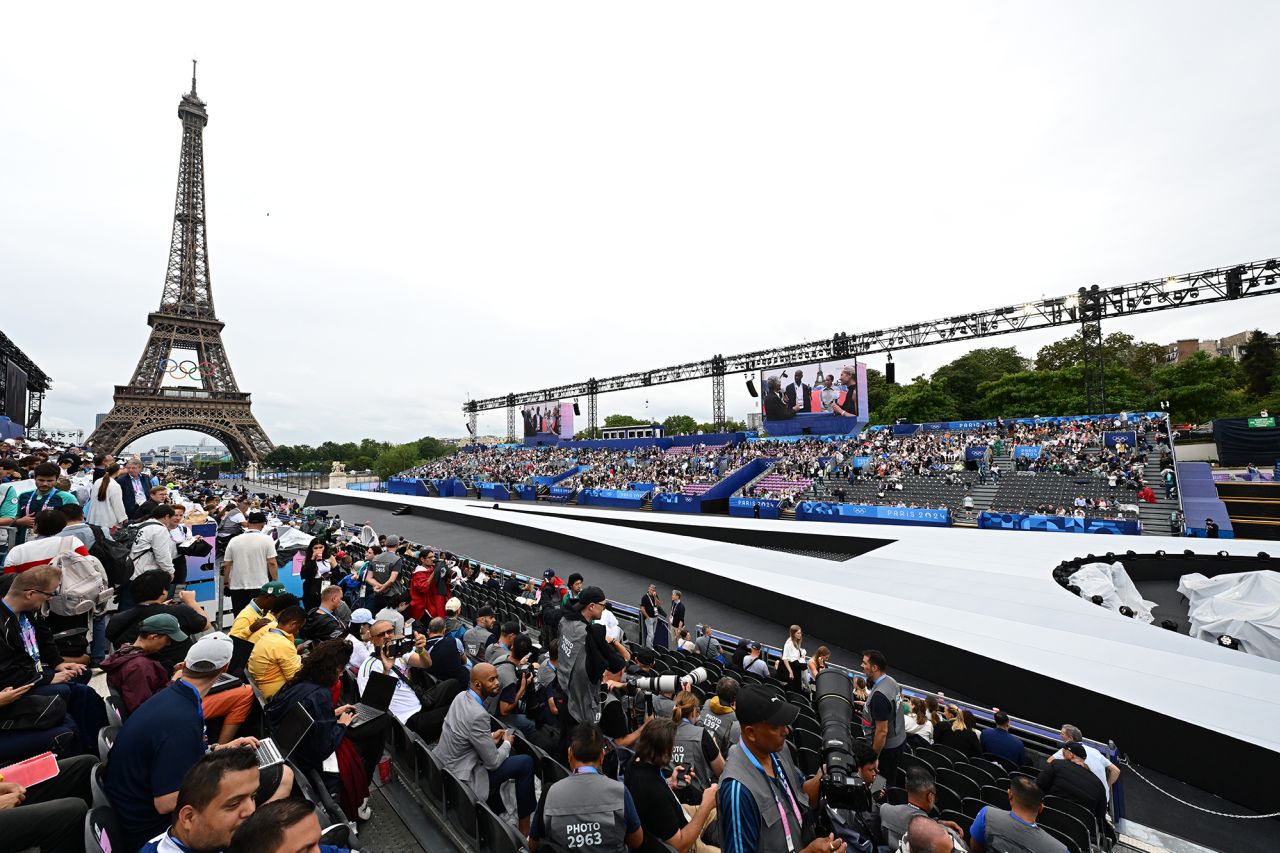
(134, 676)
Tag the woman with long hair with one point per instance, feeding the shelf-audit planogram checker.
(316, 687)
(661, 813)
(919, 726)
(817, 664)
(317, 564)
(695, 749)
(959, 731)
(106, 506)
(793, 658)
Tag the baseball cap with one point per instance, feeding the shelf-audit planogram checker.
(646, 656)
(757, 705)
(256, 517)
(1077, 749)
(162, 623)
(754, 646)
(590, 595)
(361, 616)
(393, 541)
(209, 654)
(485, 610)
(453, 605)
(272, 588)
(549, 574)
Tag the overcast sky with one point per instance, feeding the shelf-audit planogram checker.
(413, 203)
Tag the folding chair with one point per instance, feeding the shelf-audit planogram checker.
(462, 807)
(102, 831)
(106, 737)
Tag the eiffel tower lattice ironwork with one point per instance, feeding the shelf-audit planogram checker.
(204, 396)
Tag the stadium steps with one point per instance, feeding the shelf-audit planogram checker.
(1155, 517)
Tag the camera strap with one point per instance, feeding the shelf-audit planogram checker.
(779, 778)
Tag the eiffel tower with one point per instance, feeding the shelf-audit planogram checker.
(185, 344)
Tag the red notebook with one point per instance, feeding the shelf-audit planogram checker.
(32, 771)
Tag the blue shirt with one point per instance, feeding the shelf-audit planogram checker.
(978, 831)
(1004, 744)
(740, 816)
(156, 747)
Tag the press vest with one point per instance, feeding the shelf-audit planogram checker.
(586, 811)
(473, 642)
(897, 734)
(1007, 834)
(582, 698)
(687, 750)
(772, 839)
(723, 727)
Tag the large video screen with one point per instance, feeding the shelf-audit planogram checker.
(812, 391)
(550, 418)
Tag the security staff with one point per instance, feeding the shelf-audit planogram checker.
(478, 637)
(587, 810)
(585, 656)
(884, 712)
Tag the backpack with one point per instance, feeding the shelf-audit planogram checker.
(112, 554)
(85, 586)
(129, 538)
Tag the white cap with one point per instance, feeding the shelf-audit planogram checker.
(453, 605)
(210, 654)
(361, 616)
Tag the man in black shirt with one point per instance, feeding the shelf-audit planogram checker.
(1211, 528)
(151, 591)
(677, 610)
(1073, 780)
(584, 662)
(323, 622)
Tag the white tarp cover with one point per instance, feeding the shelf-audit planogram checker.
(1112, 582)
(1244, 605)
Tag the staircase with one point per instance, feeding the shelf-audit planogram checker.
(1155, 517)
(984, 495)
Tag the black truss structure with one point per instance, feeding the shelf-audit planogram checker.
(37, 384)
(1087, 307)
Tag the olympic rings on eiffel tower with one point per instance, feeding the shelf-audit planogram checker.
(187, 369)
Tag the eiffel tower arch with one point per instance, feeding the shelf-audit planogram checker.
(185, 344)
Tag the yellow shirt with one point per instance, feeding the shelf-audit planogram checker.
(274, 661)
(252, 613)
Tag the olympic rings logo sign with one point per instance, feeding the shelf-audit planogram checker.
(187, 369)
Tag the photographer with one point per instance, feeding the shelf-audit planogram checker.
(760, 781)
(922, 794)
(661, 814)
(658, 704)
(477, 638)
(718, 716)
(695, 759)
(585, 656)
(394, 657)
(515, 677)
(445, 658)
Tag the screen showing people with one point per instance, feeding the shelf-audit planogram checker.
(813, 389)
(550, 418)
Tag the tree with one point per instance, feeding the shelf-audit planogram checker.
(679, 425)
(394, 459)
(961, 378)
(1049, 393)
(920, 402)
(879, 392)
(1202, 388)
(1118, 350)
(623, 420)
(1258, 363)
(433, 448)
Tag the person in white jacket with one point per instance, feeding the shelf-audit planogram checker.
(106, 507)
(154, 548)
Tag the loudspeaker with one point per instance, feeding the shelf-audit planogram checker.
(576, 410)
(751, 388)
(889, 374)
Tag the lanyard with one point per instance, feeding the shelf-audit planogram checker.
(780, 776)
(256, 608)
(44, 502)
(28, 633)
(476, 696)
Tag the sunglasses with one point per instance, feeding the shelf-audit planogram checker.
(49, 594)
(386, 633)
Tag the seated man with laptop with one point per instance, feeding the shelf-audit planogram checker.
(161, 740)
(393, 657)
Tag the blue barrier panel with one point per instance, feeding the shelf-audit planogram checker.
(560, 491)
(1058, 524)
(526, 493)
(1111, 439)
(677, 503)
(746, 508)
(738, 479)
(611, 497)
(647, 488)
(452, 488)
(494, 492)
(407, 486)
(712, 438)
(975, 454)
(1026, 451)
(563, 475)
(956, 426)
(866, 514)
(861, 461)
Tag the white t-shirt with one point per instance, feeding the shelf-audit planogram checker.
(612, 631)
(248, 554)
(404, 702)
(1097, 762)
(791, 652)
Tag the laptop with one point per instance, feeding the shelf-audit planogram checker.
(285, 737)
(225, 681)
(376, 698)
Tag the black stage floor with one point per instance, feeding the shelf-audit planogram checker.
(1143, 805)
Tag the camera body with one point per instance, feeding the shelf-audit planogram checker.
(400, 646)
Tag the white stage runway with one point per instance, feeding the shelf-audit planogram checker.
(985, 594)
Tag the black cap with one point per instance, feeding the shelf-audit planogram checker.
(757, 705)
(590, 595)
(1077, 749)
(256, 517)
(485, 610)
(646, 656)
